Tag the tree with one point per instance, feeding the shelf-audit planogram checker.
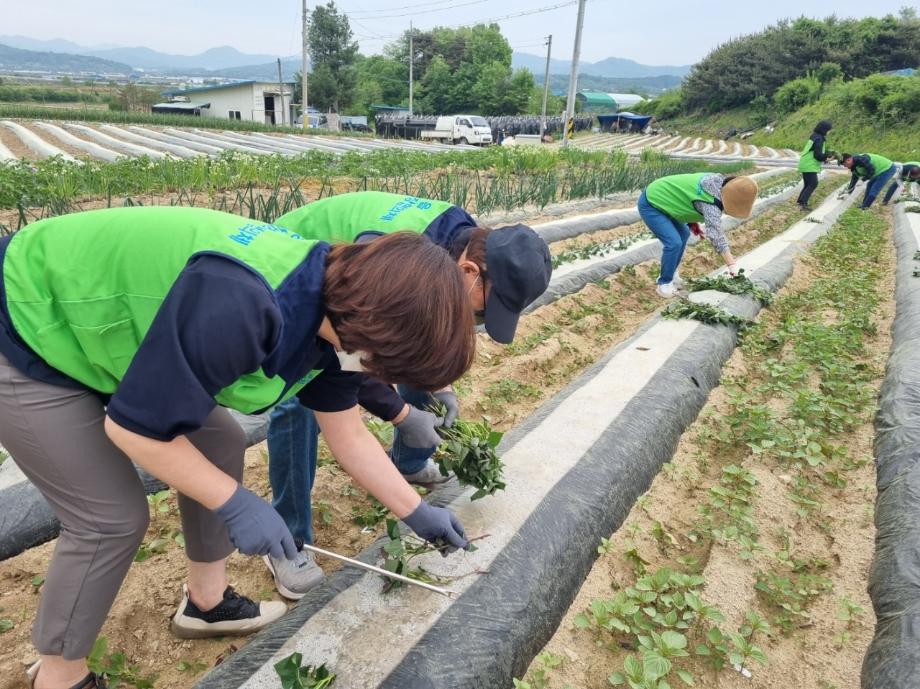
(132, 98)
(736, 73)
(498, 91)
(324, 88)
(334, 54)
(434, 97)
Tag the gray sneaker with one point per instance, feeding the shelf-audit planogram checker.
(293, 578)
(429, 475)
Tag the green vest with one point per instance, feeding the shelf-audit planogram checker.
(675, 194)
(83, 289)
(343, 217)
(880, 163)
(807, 160)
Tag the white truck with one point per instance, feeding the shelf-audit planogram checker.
(460, 129)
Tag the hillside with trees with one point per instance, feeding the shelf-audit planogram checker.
(797, 72)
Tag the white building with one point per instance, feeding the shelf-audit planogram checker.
(254, 101)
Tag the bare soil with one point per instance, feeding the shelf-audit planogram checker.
(14, 143)
(553, 345)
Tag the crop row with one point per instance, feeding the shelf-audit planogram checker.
(262, 187)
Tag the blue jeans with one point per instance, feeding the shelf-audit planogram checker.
(670, 232)
(293, 440)
(875, 185)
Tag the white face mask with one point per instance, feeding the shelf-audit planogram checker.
(351, 361)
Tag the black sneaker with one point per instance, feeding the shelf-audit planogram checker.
(236, 615)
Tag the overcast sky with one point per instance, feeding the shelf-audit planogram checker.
(653, 32)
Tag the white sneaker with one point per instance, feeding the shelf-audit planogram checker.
(667, 290)
(429, 475)
(293, 578)
(677, 281)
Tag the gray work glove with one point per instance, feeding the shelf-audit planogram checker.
(418, 428)
(449, 400)
(433, 523)
(254, 527)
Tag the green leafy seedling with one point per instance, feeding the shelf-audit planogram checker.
(737, 284)
(469, 450)
(294, 675)
(115, 669)
(705, 313)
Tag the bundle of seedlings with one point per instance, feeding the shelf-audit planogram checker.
(705, 313)
(468, 450)
(732, 284)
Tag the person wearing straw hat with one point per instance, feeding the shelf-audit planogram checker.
(125, 334)
(670, 203)
(504, 270)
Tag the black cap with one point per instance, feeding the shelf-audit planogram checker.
(518, 267)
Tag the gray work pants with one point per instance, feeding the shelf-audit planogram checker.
(56, 437)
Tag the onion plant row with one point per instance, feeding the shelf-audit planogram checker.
(263, 187)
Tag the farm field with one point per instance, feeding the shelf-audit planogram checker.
(263, 187)
(777, 531)
(507, 384)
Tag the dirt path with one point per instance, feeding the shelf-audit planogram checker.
(554, 344)
(812, 529)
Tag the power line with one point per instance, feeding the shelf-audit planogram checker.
(415, 13)
(373, 14)
(525, 13)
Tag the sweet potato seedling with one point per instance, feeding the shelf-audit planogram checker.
(737, 284)
(469, 451)
(399, 552)
(294, 675)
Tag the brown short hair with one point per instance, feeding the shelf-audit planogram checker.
(473, 242)
(401, 299)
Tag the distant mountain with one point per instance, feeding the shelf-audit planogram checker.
(267, 71)
(223, 57)
(646, 86)
(55, 45)
(14, 59)
(611, 67)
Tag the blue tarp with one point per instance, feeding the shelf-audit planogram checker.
(624, 121)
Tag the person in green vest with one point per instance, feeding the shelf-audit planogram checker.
(125, 334)
(504, 270)
(669, 203)
(813, 155)
(907, 173)
(872, 168)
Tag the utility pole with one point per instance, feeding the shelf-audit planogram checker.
(411, 62)
(281, 90)
(549, 51)
(303, 67)
(573, 76)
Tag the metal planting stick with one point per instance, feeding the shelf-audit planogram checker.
(378, 570)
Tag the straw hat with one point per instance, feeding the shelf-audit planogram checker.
(738, 196)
